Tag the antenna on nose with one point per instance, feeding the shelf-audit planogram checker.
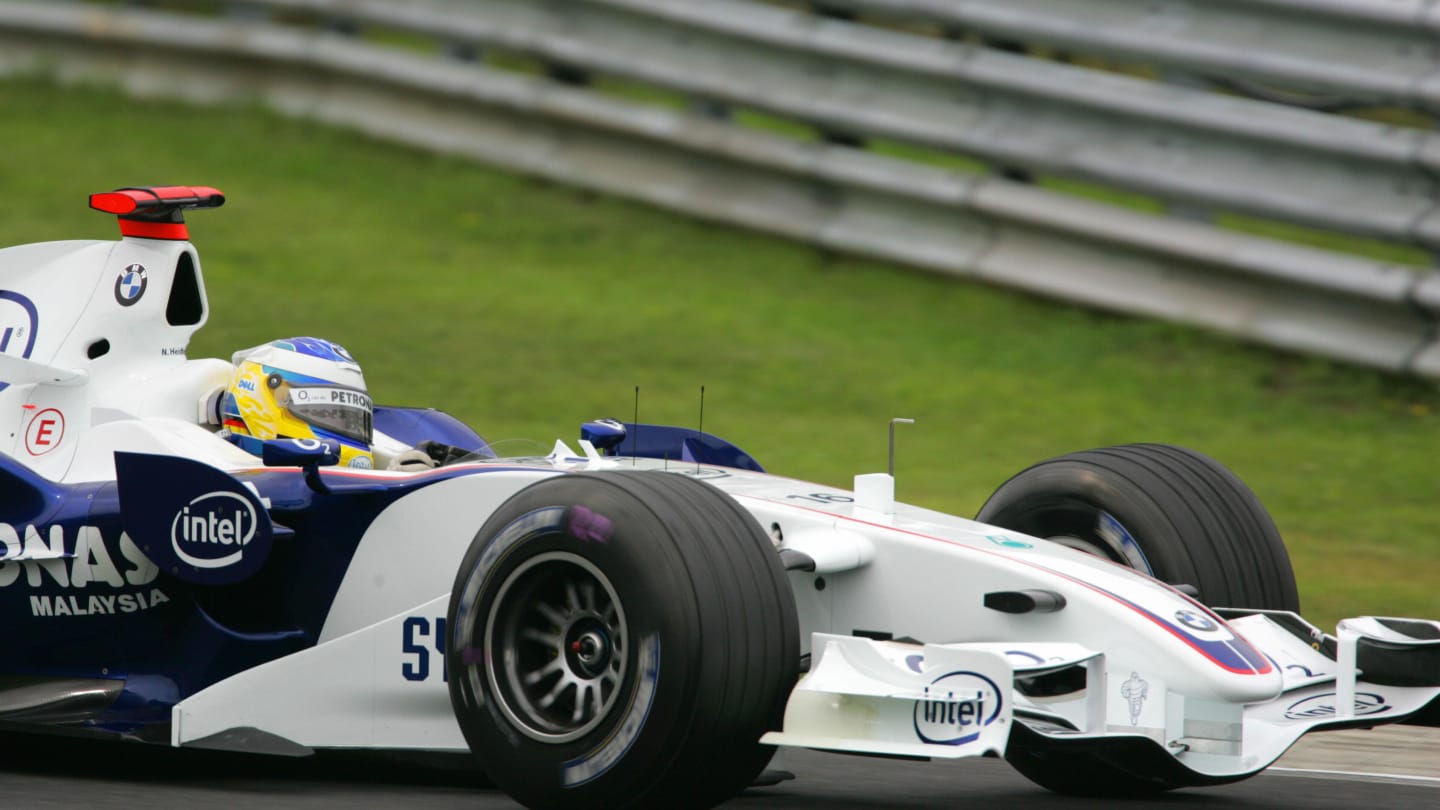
(893, 423)
(700, 431)
(876, 491)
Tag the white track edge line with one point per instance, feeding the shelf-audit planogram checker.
(1399, 777)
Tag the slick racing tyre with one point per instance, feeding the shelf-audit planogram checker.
(1167, 511)
(621, 640)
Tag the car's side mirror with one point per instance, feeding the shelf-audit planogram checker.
(307, 454)
(604, 434)
(302, 453)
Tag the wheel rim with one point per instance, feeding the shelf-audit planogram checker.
(558, 644)
(1096, 532)
(1108, 539)
(1086, 545)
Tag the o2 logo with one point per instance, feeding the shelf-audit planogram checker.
(417, 641)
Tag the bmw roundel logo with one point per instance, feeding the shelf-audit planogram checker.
(1194, 620)
(130, 284)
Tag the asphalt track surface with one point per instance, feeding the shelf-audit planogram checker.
(45, 772)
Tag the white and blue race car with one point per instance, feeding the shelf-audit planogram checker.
(633, 622)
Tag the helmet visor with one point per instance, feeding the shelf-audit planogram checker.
(334, 408)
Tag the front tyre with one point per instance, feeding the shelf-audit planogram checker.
(1172, 513)
(621, 640)
(1169, 512)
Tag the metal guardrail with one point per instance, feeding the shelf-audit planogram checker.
(863, 82)
(1181, 145)
(1344, 51)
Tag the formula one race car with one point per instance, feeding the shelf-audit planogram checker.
(633, 623)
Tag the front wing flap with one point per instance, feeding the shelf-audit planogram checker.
(939, 700)
(958, 700)
(1200, 742)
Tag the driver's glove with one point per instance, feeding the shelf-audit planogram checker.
(412, 461)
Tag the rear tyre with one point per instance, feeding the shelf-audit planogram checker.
(621, 640)
(1164, 510)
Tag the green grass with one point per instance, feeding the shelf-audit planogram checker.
(526, 308)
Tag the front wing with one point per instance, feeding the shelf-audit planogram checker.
(374, 688)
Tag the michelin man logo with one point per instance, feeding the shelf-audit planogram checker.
(1135, 689)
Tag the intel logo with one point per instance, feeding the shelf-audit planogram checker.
(1322, 706)
(213, 529)
(956, 707)
(19, 322)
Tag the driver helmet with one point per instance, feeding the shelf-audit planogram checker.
(299, 388)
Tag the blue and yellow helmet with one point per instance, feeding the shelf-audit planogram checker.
(300, 388)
